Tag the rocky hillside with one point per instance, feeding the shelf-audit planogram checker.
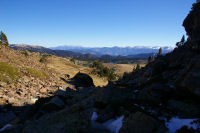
(162, 97)
(24, 79)
(27, 76)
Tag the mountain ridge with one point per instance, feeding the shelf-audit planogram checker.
(115, 50)
(96, 52)
(88, 54)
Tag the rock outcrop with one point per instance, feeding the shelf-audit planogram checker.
(192, 27)
(83, 80)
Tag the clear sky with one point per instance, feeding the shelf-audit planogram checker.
(94, 22)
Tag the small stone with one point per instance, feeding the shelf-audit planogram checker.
(43, 90)
(3, 84)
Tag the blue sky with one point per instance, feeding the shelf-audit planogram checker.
(94, 23)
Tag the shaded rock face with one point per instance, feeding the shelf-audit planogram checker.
(5, 117)
(54, 104)
(63, 122)
(190, 79)
(141, 123)
(192, 26)
(83, 80)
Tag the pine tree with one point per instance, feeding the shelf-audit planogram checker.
(138, 67)
(183, 39)
(0, 39)
(153, 58)
(160, 52)
(149, 59)
(178, 44)
(3, 39)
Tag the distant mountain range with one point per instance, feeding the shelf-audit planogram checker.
(62, 53)
(114, 51)
(95, 53)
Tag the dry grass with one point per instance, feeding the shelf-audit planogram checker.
(36, 73)
(8, 71)
(64, 66)
(121, 68)
(54, 67)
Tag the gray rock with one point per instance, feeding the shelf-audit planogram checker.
(141, 123)
(83, 80)
(6, 117)
(190, 78)
(54, 104)
(183, 109)
(3, 84)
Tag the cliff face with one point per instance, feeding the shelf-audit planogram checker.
(192, 26)
(179, 68)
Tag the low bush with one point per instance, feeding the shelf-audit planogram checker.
(25, 53)
(43, 59)
(102, 71)
(36, 73)
(9, 70)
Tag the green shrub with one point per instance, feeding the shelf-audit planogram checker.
(127, 75)
(73, 60)
(102, 71)
(138, 67)
(36, 73)
(9, 70)
(25, 53)
(43, 59)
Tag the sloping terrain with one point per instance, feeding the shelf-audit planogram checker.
(162, 97)
(65, 66)
(24, 79)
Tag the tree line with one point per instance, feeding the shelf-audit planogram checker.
(3, 39)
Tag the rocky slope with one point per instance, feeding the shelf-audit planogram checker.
(23, 79)
(162, 97)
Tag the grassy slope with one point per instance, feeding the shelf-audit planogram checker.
(121, 68)
(64, 66)
(13, 65)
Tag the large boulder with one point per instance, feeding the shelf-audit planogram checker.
(186, 109)
(83, 80)
(69, 120)
(6, 117)
(189, 79)
(54, 104)
(141, 123)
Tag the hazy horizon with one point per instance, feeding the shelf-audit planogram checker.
(94, 23)
(132, 46)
